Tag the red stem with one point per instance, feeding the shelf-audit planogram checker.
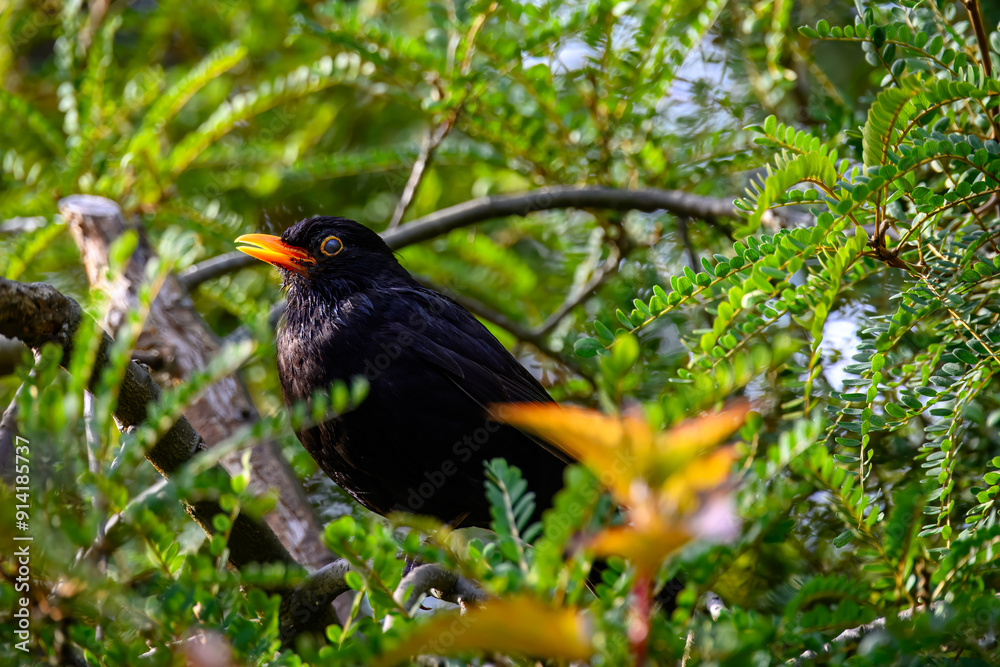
(638, 632)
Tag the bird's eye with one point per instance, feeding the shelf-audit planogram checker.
(331, 246)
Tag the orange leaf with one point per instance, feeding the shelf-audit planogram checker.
(622, 450)
(520, 625)
(608, 445)
(677, 446)
(645, 546)
(702, 474)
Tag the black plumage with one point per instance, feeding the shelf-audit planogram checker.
(418, 441)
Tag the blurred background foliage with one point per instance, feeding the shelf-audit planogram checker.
(206, 121)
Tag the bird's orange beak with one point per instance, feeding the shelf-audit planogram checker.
(273, 250)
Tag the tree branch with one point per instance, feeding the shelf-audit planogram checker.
(437, 581)
(8, 439)
(312, 598)
(856, 634)
(972, 7)
(212, 268)
(175, 333)
(976, 19)
(38, 315)
(682, 230)
(607, 269)
(709, 209)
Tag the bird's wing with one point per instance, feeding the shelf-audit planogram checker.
(454, 341)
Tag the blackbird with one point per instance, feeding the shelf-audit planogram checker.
(418, 441)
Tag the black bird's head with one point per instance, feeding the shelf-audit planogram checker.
(327, 256)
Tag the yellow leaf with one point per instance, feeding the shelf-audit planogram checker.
(608, 445)
(646, 546)
(704, 473)
(677, 446)
(622, 450)
(520, 625)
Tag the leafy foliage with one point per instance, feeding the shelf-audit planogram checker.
(865, 333)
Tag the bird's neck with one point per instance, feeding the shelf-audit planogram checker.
(316, 340)
(335, 302)
(332, 288)
(309, 304)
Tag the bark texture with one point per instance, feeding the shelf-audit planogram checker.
(177, 342)
(38, 314)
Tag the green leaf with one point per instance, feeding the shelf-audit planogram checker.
(587, 347)
(843, 539)
(965, 355)
(603, 332)
(354, 581)
(895, 411)
(878, 37)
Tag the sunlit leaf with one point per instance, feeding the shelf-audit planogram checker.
(607, 444)
(702, 474)
(646, 546)
(520, 625)
(622, 449)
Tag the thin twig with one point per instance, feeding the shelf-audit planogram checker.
(682, 230)
(976, 19)
(972, 6)
(608, 268)
(430, 143)
(93, 438)
(9, 433)
(533, 337)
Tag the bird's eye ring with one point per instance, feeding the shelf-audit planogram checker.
(331, 246)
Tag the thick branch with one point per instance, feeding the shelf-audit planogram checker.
(175, 333)
(709, 209)
(312, 597)
(38, 314)
(437, 581)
